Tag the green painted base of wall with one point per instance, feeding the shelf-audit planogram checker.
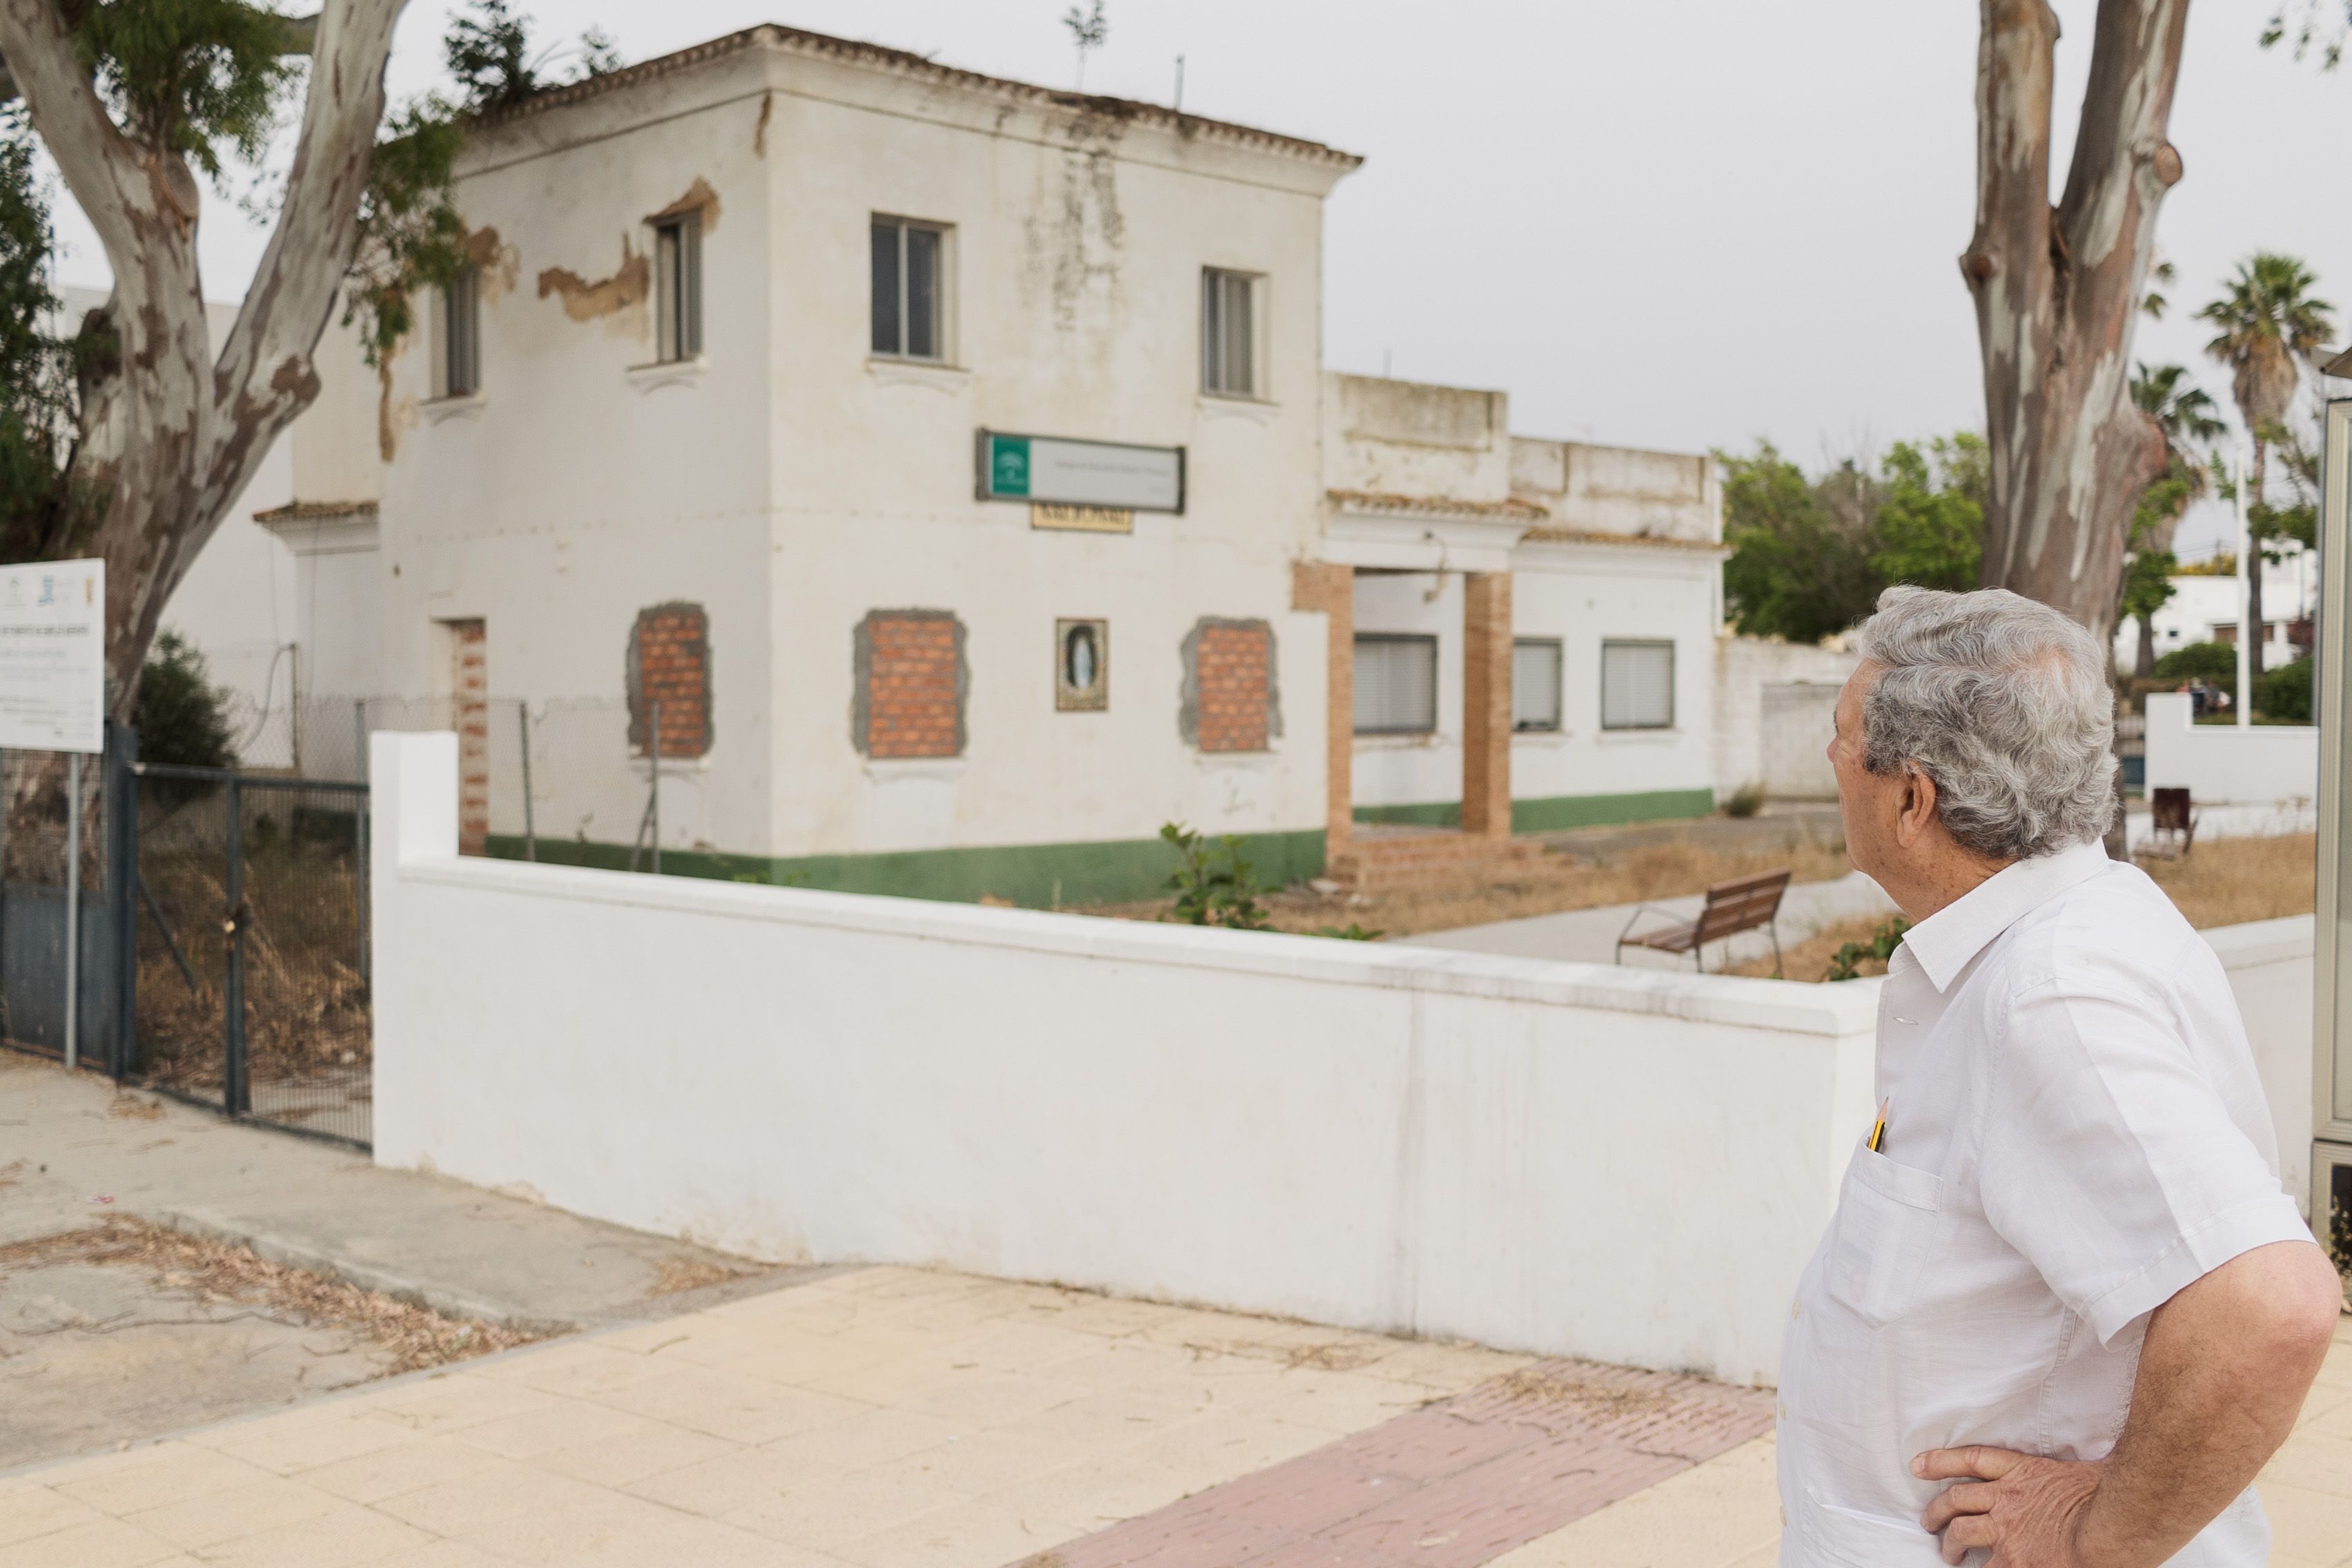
(1035, 876)
(1551, 814)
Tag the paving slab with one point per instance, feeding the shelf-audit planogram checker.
(94, 1353)
(870, 1420)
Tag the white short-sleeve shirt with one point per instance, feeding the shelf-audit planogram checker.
(2074, 1131)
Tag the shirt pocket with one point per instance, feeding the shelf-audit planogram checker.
(1854, 1539)
(1886, 1220)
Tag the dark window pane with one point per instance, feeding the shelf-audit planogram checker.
(666, 285)
(1237, 333)
(689, 298)
(1211, 328)
(923, 293)
(885, 289)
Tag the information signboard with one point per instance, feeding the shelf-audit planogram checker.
(1049, 469)
(53, 656)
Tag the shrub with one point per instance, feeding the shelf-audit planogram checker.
(180, 714)
(1881, 946)
(2211, 661)
(1745, 801)
(1212, 881)
(2284, 693)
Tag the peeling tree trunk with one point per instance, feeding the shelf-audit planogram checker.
(177, 434)
(2057, 293)
(171, 433)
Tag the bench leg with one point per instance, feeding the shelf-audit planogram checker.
(1776, 950)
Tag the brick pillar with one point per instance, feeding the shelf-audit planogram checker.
(469, 692)
(1332, 589)
(1486, 704)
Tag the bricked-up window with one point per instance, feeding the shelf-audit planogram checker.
(669, 664)
(910, 684)
(1228, 703)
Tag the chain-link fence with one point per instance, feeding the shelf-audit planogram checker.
(39, 971)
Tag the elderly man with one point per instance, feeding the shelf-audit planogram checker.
(2063, 1310)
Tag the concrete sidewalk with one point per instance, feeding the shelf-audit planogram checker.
(903, 1418)
(68, 1140)
(1590, 936)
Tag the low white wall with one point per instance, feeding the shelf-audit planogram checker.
(1565, 1158)
(2223, 763)
(2270, 970)
(1802, 682)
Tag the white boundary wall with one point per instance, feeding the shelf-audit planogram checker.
(1567, 1158)
(2260, 764)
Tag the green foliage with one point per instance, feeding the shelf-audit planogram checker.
(180, 716)
(2148, 579)
(1810, 556)
(1351, 931)
(1931, 522)
(1798, 569)
(1745, 801)
(488, 51)
(1846, 964)
(2213, 662)
(43, 514)
(191, 77)
(411, 235)
(2284, 694)
(1212, 881)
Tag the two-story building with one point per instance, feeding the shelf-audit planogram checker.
(945, 466)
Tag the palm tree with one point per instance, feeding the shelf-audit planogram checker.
(2188, 418)
(2270, 324)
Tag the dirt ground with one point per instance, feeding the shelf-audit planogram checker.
(1578, 871)
(2223, 881)
(122, 1324)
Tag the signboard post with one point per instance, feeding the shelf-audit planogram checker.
(1052, 471)
(53, 699)
(2331, 1130)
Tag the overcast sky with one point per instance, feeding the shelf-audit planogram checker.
(1684, 224)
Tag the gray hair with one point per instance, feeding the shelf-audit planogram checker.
(2005, 704)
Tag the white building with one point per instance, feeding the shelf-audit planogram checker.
(2206, 609)
(717, 423)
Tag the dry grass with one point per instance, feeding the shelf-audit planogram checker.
(1560, 880)
(2224, 881)
(2227, 882)
(675, 1274)
(213, 1271)
(1810, 959)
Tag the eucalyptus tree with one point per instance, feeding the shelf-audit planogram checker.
(2058, 289)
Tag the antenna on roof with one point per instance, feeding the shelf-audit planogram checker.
(1180, 84)
(1088, 29)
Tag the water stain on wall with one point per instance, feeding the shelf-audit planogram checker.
(1075, 231)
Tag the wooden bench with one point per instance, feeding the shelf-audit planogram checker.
(1741, 904)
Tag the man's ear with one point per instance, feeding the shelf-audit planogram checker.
(1916, 809)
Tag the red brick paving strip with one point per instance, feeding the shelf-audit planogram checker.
(1451, 1485)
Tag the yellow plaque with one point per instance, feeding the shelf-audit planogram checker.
(1085, 518)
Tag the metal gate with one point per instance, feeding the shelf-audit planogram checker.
(250, 988)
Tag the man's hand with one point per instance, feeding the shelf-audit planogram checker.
(2028, 1510)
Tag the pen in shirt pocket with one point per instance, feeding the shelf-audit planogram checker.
(1878, 1127)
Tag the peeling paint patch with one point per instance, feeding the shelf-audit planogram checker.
(497, 264)
(585, 301)
(699, 198)
(393, 415)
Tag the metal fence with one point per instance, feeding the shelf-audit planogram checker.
(250, 984)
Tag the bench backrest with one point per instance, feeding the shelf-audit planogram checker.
(1741, 904)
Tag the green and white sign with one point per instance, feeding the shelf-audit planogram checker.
(1051, 470)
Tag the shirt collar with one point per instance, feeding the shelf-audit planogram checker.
(1944, 943)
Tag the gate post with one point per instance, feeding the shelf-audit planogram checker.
(122, 796)
(236, 1098)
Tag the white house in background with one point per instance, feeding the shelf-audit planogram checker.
(951, 461)
(2205, 609)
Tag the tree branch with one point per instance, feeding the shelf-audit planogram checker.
(298, 32)
(265, 377)
(2120, 152)
(111, 179)
(2014, 71)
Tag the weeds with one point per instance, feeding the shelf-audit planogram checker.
(1845, 964)
(1745, 801)
(1212, 882)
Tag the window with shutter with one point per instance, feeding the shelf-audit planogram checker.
(1396, 685)
(1534, 683)
(1637, 685)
